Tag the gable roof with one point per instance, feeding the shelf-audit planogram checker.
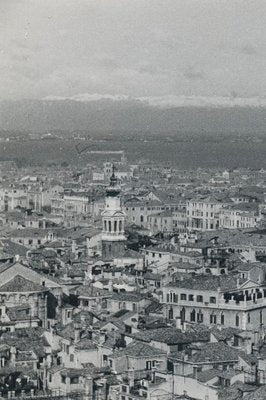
(20, 284)
(172, 336)
(137, 349)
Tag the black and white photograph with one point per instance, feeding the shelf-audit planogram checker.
(132, 199)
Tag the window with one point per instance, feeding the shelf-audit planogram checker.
(199, 299)
(191, 297)
(213, 319)
(248, 318)
(193, 316)
(200, 316)
(74, 380)
(124, 389)
(183, 296)
(71, 358)
(213, 300)
(222, 319)
(63, 379)
(237, 320)
(148, 364)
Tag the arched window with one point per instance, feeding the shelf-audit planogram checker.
(120, 226)
(109, 226)
(248, 318)
(261, 317)
(200, 316)
(183, 314)
(237, 320)
(171, 313)
(193, 316)
(115, 226)
(222, 319)
(213, 319)
(105, 225)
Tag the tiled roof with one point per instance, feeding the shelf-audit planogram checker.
(123, 296)
(85, 344)
(20, 284)
(259, 394)
(14, 248)
(172, 336)
(137, 349)
(91, 291)
(210, 353)
(211, 283)
(206, 375)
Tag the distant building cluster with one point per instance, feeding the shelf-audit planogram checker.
(132, 282)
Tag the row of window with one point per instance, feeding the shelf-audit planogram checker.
(200, 214)
(201, 205)
(173, 298)
(116, 226)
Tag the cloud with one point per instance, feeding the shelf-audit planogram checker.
(194, 75)
(170, 101)
(138, 48)
(248, 50)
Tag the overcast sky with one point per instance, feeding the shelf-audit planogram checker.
(139, 48)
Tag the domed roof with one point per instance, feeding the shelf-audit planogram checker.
(113, 190)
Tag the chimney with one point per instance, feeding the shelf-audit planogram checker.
(77, 332)
(73, 246)
(131, 376)
(88, 388)
(12, 355)
(110, 285)
(102, 337)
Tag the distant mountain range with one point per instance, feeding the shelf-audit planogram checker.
(129, 115)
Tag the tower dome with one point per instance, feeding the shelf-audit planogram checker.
(113, 219)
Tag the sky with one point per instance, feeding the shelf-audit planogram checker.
(155, 49)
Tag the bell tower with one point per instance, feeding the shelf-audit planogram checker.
(113, 220)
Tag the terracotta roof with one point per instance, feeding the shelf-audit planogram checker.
(85, 344)
(210, 353)
(137, 349)
(20, 284)
(91, 291)
(208, 282)
(172, 336)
